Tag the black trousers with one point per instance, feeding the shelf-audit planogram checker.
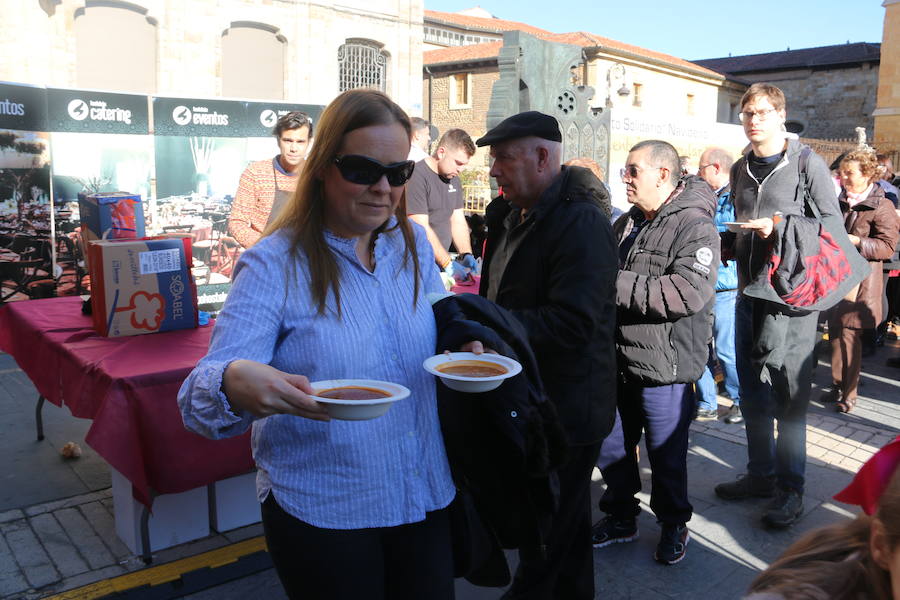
(664, 414)
(567, 571)
(406, 562)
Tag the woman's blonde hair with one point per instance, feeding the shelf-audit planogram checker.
(304, 214)
(868, 162)
(836, 562)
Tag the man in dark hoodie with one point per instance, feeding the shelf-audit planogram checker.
(550, 260)
(669, 253)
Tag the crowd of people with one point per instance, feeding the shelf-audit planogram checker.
(628, 318)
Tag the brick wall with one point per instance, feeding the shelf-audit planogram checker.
(473, 119)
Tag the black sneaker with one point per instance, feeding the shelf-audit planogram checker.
(746, 486)
(707, 414)
(734, 415)
(784, 509)
(672, 543)
(611, 530)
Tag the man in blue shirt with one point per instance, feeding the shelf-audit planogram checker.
(714, 169)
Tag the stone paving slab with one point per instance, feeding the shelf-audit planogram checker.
(29, 553)
(63, 551)
(12, 579)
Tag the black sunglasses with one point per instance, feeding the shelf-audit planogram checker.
(366, 171)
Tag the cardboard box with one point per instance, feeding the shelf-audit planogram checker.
(119, 215)
(142, 286)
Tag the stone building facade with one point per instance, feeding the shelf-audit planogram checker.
(830, 90)
(887, 112)
(295, 50)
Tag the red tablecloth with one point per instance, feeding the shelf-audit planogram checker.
(128, 386)
(468, 287)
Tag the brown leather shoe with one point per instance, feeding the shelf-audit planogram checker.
(845, 405)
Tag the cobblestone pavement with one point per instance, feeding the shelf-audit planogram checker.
(50, 546)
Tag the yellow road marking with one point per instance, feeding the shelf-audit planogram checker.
(164, 573)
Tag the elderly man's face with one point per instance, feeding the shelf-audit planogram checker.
(515, 169)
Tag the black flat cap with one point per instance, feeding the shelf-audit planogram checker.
(523, 125)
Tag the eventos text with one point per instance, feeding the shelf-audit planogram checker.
(202, 116)
(12, 108)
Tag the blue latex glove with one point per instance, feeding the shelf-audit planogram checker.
(468, 261)
(459, 272)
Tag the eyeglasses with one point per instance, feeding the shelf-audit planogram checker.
(367, 171)
(632, 171)
(747, 115)
(701, 167)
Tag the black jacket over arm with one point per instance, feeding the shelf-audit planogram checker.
(503, 446)
(560, 283)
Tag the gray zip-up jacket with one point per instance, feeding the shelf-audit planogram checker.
(780, 192)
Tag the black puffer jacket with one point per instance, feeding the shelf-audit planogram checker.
(559, 283)
(666, 288)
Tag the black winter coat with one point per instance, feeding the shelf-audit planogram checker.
(560, 283)
(666, 288)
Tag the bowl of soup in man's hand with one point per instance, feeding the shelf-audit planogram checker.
(357, 399)
(470, 372)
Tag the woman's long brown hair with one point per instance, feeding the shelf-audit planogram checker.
(835, 562)
(304, 215)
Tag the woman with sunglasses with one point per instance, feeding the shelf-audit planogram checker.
(336, 289)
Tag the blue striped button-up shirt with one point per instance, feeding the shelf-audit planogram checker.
(339, 474)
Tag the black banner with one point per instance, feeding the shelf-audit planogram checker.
(198, 117)
(81, 111)
(262, 116)
(23, 107)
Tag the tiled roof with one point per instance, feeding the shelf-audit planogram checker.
(584, 39)
(460, 54)
(795, 59)
(480, 23)
(577, 38)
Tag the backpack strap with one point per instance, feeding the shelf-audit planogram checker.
(810, 206)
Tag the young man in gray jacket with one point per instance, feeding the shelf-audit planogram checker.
(773, 343)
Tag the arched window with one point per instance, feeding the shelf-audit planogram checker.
(115, 47)
(253, 61)
(362, 64)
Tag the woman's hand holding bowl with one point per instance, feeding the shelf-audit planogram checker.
(263, 390)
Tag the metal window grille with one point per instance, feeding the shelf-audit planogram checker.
(362, 65)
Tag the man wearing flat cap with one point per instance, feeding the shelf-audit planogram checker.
(550, 259)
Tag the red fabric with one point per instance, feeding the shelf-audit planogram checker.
(128, 386)
(823, 273)
(467, 287)
(872, 478)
